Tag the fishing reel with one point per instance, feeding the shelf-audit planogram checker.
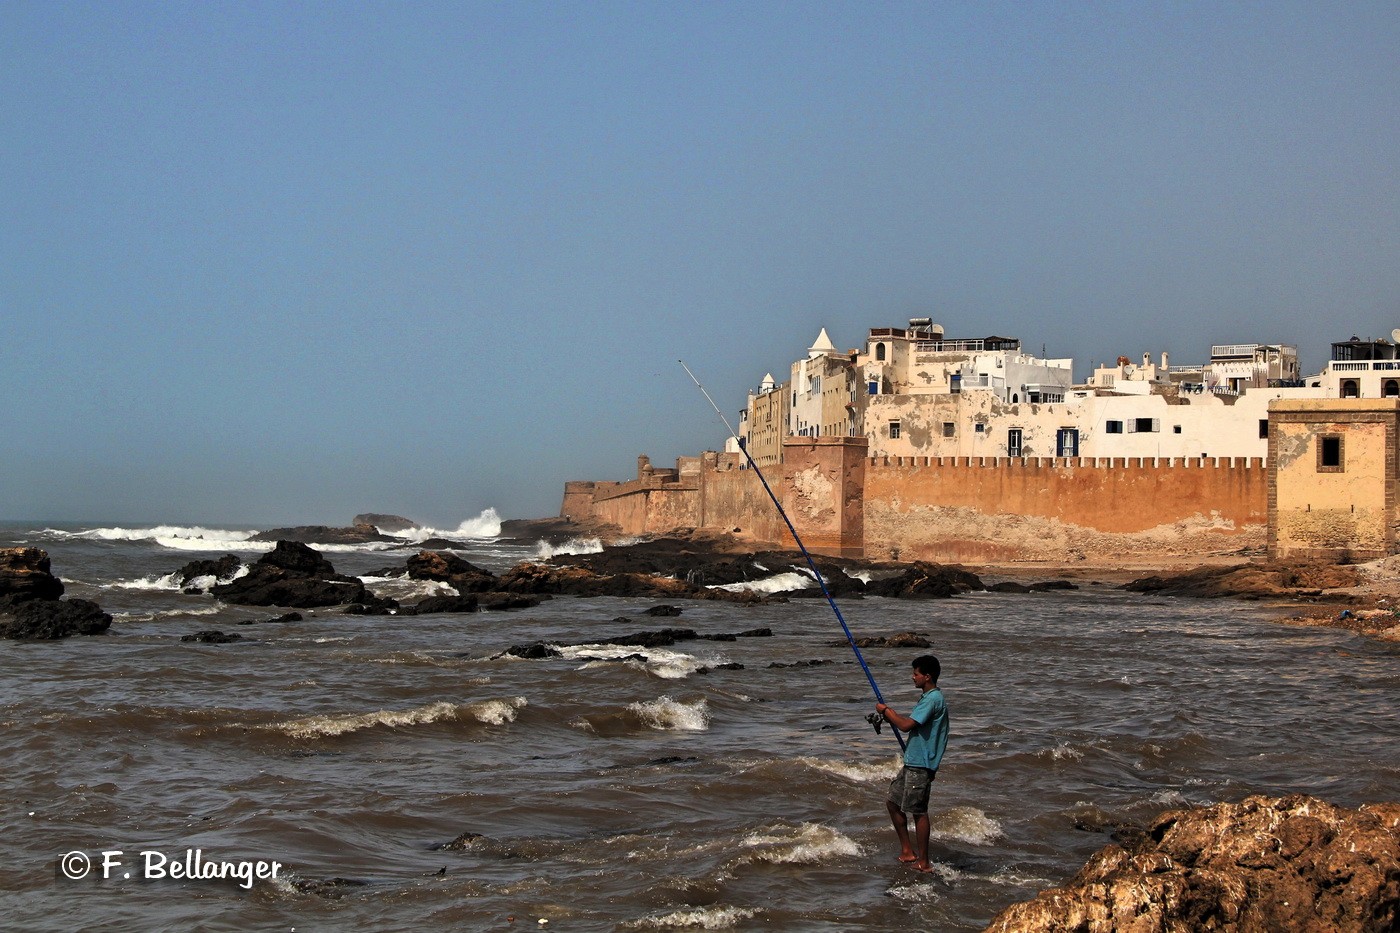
(876, 720)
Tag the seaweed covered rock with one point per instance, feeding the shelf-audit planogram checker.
(1259, 866)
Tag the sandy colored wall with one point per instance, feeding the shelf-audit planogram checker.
(1332, 512)
(974, 510)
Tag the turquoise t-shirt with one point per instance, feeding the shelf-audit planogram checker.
(926, 742)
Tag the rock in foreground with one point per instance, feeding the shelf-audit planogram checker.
(50, 619)
(1264, 865)
(293, 575)
(24, 575)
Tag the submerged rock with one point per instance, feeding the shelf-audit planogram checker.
(211, 637)
(1259, 866)
(49, 619)
(926, 581)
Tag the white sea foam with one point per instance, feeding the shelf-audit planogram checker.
(485, 525)
(660, 662)
(171, 581)
(404, 589)
(924, 891)
(666, 713)
(491, 712)
(778, 583)
(965, 824)
(571, 546)
(865, 771)
(177, 537)
(810, 844)
(1061, 752)
(716, 917)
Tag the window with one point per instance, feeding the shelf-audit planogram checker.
(1351, 388)
(1013, 442)
(1264, 428)
(880, 351)
(894, 430)
(1176, 429)
(1329, 455)
(949, 429)
(1143, 426)
(955, 383)
(1067, 442)
(1113, 427)
(980, 428)
(1390, 389)
(874, 387)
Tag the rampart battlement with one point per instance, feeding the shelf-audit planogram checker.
(1071, 463)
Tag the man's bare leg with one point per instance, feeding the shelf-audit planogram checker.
(901, 829)
(921, 827)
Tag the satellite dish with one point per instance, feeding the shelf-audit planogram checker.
(1395, 335)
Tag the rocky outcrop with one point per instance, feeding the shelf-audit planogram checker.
(220, 569)
(324, 534)
(30, 607)
(1263, 865)
(292, 575)
(24, 575)
(48, 619)
(925, 581)
(461, 575)
(389, 524)
(658, 638)
(1252, 581)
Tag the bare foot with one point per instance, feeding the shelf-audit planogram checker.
(908, 857)
(924, 867)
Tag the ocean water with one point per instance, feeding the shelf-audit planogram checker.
(628, 789)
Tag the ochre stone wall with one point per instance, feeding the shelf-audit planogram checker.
(976, 510)
(1348, 510)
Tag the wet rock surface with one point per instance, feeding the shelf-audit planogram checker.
(1252, 581)
(30, 607)
(212, 637)
(220, 569)
(292, 575)
(388, 524)
(659, 638)
(324, 534)
(1266, 864)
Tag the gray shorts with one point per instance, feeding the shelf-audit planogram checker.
(909, 790)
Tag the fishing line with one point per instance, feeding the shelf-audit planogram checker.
(821, 581)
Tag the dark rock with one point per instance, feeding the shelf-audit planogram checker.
(664, 611)
(532, 652)
(441, 544)
(1262, 865)
(764, 632)
(499, 602)
(294, 575)
(723, 636)
(728, 666)
(388, 524)
(47, 619)
(288, 617)
(818, 662)
(1048, 585)
(464, 841)
(926, 581)
(212, 637)
(658, 639)
(220, 569)
(462, 576)
(436, 604)
(1008, 586)
(547, 579)
(1251, 581)
(323, 534)
(900, 640)
(24, 575)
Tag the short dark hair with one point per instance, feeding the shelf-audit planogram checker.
(928, 665)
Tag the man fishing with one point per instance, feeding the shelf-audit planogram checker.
(927, 726)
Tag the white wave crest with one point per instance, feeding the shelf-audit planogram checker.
(485, 525)
(668, 665)
(810, 844)
(864, 771)
(175, 537)
(571, 546)
(404, 589)
(171, 581)
(966, 824)
(778, 583)
(492, 712)
(666, 713)
(704, 918)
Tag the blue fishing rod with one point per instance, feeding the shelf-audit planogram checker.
(821, 581)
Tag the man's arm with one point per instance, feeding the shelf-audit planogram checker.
(902, 723)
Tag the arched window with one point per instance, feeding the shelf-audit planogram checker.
(1391, 389)
(880, 352)
(1351, 388)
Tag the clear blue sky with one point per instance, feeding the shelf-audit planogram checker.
(284, 262)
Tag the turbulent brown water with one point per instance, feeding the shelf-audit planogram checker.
(632, 794)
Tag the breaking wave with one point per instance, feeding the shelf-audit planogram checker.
(491, 712)
(778, 583)
(864, 771)
(703, 918)
(668, 665)
(175, 537)
(485, 525)
(810, 844)
(571, 546)
(966, 824)
(668, 714)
